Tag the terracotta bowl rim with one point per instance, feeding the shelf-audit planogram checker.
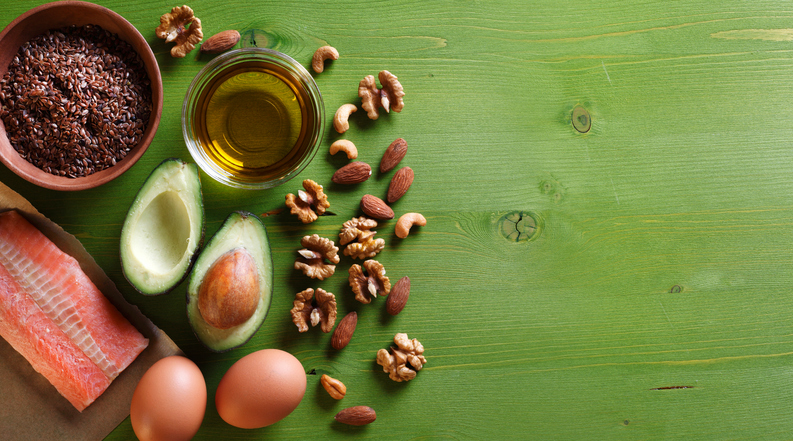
(11, 159)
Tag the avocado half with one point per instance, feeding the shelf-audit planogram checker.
(163, 229)
(239, 230)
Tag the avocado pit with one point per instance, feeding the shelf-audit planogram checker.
(229, 294)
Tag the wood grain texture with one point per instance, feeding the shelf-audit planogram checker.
(654, 300)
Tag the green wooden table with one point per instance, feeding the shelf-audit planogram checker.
(629, 282)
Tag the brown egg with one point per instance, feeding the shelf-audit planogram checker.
(169, 402)
(260, 389)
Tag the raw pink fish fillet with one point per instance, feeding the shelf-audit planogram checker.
(47, 348)
(56, 284)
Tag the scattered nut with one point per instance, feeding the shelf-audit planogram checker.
(322, 54)
(360, 230)
(312, 261)
(336, 389)
(172, 29)
(314, 198)
(396, 363)
(341, 119)
(400, 184)
(320, 310)
(346, 146)
(374, 207)
(343, 333)
(389, 97)
(393, 91)
(364, 250)
(352, 173)
(407, 220)
(367, 286)
(356, 416)
(220, 42)
(370, 96)
(393, 154)
(398, 297)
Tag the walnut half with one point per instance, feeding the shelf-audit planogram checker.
(308, 204)
(314, 257)
(359, 230)
(320, 310)
(389, 97)
(407, 352)
(173, 28)
(367, 286)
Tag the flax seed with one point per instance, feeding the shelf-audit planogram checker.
(75, 100)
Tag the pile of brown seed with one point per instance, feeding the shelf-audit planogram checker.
(75, 100)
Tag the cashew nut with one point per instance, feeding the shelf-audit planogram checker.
(340, 122)
(346, 146)
(406, 221)
(322, 54)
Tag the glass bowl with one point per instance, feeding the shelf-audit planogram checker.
(253, 118)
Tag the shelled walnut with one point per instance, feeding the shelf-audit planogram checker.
(389, 97)
(368, 285)
(318, 257)
(407, 352)
(308, 204)
(173, 28)
(358, 235)
(320, 310)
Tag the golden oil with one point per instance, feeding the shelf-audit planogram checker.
(253, 122)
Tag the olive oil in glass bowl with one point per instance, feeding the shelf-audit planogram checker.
(253, 118)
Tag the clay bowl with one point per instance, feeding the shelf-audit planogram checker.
(57, 15)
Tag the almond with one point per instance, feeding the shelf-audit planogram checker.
(398, 297)
(220, 42)
(374, 207)
(343, 333)
(393, 154)
(400, 183)
(356, 416)
(352, 173)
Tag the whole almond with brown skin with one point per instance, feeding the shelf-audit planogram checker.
(352, 173)
(398, 297)
(393, 154)
(374, 207)
(220, 42)
(343, 333)
(402, 180)
(357, 416)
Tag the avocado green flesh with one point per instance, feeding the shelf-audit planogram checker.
(163, 228)
(240, 230)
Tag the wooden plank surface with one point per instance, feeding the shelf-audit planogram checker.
(632, 282)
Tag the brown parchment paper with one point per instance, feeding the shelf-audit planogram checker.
(30, 407)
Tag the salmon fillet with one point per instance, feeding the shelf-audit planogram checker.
(31, 333)
(55, 284)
